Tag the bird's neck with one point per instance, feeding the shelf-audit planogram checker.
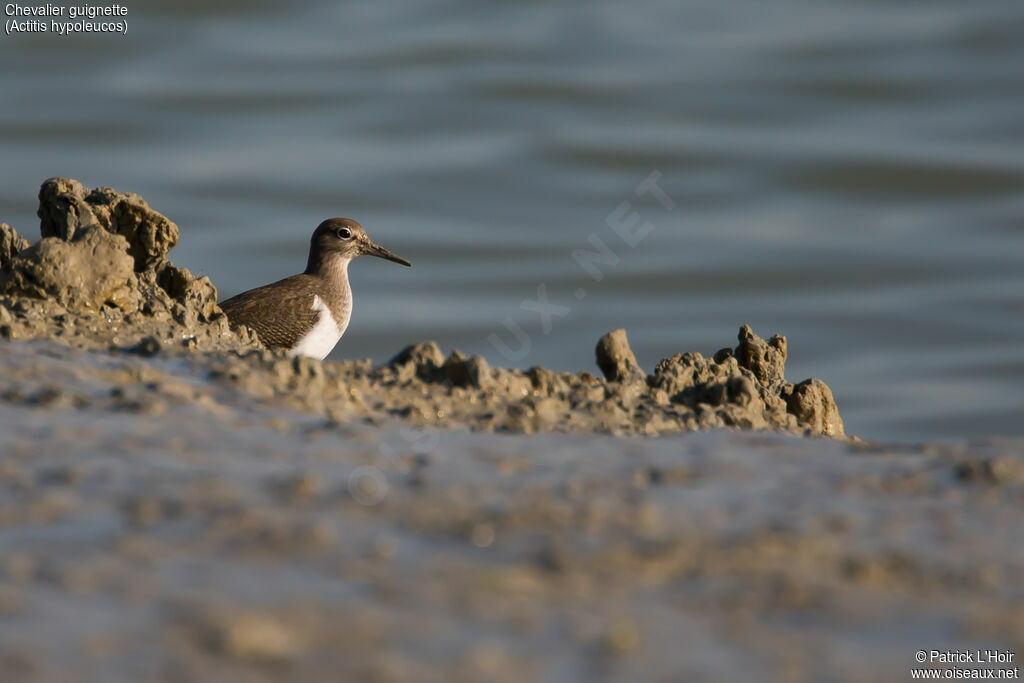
(332, 269)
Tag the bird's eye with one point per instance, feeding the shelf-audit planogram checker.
(344, 234)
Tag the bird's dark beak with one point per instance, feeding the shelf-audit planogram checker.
(380, 252)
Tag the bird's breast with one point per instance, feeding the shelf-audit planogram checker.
(324, 335)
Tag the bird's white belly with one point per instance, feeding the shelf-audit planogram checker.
(319, 341)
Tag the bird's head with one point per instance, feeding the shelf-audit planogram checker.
(344, 238)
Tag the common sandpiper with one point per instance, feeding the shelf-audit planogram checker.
(306, 314)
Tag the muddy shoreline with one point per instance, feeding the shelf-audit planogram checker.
(177, 503)
(100, 278)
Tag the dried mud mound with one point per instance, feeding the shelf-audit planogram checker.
(100, 279)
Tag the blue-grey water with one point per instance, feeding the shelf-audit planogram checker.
(848, 173)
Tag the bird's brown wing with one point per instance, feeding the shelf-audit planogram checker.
(279, 313)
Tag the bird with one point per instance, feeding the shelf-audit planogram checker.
(307, 314)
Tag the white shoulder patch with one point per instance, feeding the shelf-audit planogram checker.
(319, 341)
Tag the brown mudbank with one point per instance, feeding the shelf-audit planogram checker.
(91, 270)
(616, 359)
(65, 207)
(100, 278)
(10, 243)
(743, 388)
(812, 403)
